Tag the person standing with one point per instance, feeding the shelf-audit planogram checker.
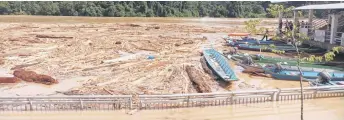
(266, 34)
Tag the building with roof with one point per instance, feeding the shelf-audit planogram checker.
(325, 32)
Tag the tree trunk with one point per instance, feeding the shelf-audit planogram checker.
(298, 67)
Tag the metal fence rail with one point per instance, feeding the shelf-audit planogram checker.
(310, 92)
(115, 102)
(204, 99)
(65, 103)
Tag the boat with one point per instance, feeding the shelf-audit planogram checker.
(281, 72)
(329, 83)
(235, 42)
(285, 47)
(219, 65)
(261, 59)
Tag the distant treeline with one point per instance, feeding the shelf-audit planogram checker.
(244, 9)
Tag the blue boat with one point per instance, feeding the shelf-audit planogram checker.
(235, 42)
(292, 73)
(219, 65)
(284, 47)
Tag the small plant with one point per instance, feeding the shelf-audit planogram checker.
(251, 26)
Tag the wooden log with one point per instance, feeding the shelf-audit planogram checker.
(108, 91)
(9, 79)
(98, 67)
(196, 77)
(50, 36)
(23, 66)
(31, 76)
(205, 66)
(2, 61)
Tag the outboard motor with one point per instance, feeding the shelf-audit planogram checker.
(234, 51)
(324, 77)
(278, 67)
(247, 60)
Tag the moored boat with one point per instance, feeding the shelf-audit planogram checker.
(218, 63)
(235, 42)
(292, 73)
(281, 47)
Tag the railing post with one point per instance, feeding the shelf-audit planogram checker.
(188, 101)
(278, 94)
(81, 104)
(315, 93)
(273, 96)
(232, 98)
(131, 103)
(30, 103)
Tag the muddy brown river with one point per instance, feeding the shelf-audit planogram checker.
(319, 109)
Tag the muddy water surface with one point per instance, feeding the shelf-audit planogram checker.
(319, 109)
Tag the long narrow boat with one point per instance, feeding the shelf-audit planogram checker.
(285, 73)
(260, 59)
(293, 62)
(218, 63)
(234, 42)
(286, 48)
(329, 83)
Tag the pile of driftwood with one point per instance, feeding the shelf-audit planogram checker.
(29, 76)
(196, 77)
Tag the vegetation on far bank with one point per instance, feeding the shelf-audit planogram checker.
(232, 9)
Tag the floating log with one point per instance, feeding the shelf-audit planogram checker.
(108, 91)
(205, 66)
(9, 79)
(23, 66)
(2, 61)
(50, 36)
(31, 76)
(196, 77)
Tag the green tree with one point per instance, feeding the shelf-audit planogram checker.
(139, 8)
(150, 13)
(67, 8)
(4, 7)
(49, 8)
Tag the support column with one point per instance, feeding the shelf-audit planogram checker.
(334, 25)
(296, 21)
(310, 23)
(310, 17)
(280, 22)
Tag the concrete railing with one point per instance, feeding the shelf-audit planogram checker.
(47, 103)
(230, 98)
(115, 102)
(204, 99)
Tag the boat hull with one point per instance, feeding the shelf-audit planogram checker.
(307, 73)
(219, 65)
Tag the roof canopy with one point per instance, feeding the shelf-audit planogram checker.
(321, 7)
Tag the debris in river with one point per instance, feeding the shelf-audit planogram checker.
(50, 36)
(2, 61)
(31, 76)
(9, 79)
(196, 77)
(23, 66)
